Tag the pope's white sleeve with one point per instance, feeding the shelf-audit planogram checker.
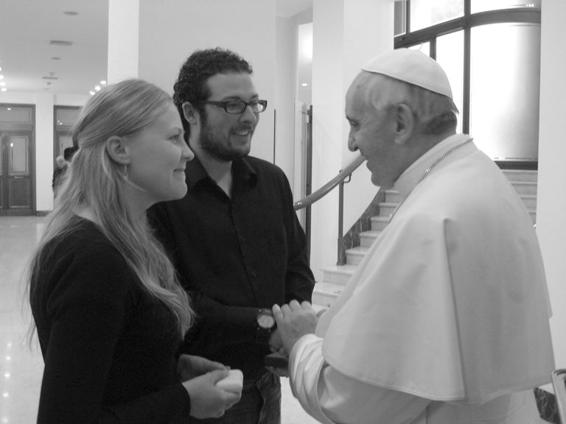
(332, 397)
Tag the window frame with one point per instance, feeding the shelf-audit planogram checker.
(464, 23)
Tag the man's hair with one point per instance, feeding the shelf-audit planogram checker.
(191, 85)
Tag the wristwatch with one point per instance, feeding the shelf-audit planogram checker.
(265, 325)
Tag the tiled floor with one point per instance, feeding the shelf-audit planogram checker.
(21, 365)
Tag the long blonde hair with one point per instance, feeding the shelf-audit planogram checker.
(96, 182)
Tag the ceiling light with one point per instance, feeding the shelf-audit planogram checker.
(97, 87)
(2, 83)
(91, 93)
(0, 68)
(102, 82)
(8, 108)
(304, 84)
(55, 58)
(50, 77)
(70, 13)
(3, 89)
(60, 43)
(1, 77)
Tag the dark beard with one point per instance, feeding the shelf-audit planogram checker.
(217, 151)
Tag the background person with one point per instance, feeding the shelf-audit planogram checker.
(446, 319)
(109, 312)
(235, 239)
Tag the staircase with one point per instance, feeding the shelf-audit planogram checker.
(335, 278)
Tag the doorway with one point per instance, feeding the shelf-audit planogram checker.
(17, 191)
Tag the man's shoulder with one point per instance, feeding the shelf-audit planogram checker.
(261, 166)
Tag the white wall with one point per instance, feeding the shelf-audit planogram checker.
(551, 202)
(123, 39)
(343, 42)
(44, 103)
(170, 30)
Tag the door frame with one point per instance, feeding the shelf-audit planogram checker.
(17, 126)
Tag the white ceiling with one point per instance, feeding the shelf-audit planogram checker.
(27, 26)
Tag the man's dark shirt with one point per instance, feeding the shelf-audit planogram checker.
(235, 255)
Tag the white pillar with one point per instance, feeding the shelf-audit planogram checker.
(551, 207)
(347, 33)
(123, 39)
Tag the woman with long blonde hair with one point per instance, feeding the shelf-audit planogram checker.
(108, 310)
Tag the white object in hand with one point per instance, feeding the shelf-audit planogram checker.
(233, 383)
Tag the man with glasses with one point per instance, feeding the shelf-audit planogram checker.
(234, 239)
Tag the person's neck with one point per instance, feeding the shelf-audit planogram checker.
(219, 170)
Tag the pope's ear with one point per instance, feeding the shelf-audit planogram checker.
(118, 150)
(405, 123)
(190, 113)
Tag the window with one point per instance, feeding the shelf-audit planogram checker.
(490, 50)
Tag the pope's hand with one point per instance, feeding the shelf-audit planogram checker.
(294, 321)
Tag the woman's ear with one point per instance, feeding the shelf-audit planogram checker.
(405, 123)
(118, 150)
(190, 113)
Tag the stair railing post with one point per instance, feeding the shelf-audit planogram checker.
(341, 248)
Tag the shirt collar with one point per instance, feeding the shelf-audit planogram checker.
(413, 174)
(242, 171)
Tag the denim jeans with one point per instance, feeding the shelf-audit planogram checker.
(260, 404)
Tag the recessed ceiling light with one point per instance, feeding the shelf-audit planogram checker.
(91, 93)
(50, 77)
(97, 87)
(8, 108)
(70, 13)
(1, 77)
(55, 58)
(3, 89)
(0, 68)
(102, 82)
(60, 43)
(2, 83)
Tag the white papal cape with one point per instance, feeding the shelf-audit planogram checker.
(450, 303)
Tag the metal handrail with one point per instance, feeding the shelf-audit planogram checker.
(326, 188)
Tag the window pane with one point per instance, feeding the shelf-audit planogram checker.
(18, 155)
(450, 55)
(504, 90)
(400, 17)
(425, 13)
(484, 5)
(15, 114)
(65, 116)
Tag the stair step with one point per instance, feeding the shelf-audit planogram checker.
(378, 223)
(338, 274)
(386, 208)
(355, 255)
(392, 196)
(325, 294)
(530, 201)
(368, 237)
(525, 187)
(521, 175)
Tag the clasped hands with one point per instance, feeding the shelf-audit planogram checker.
(294, 320)
(199, 377)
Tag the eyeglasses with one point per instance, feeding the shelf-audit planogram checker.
(238, 106)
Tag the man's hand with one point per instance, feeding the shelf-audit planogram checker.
(294, 321)
(190, 366)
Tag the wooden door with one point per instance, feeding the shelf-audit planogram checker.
(16, 190)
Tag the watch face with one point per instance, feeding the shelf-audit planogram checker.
(265, 321)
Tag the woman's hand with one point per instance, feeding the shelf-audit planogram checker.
(190, 366)
(207, 399)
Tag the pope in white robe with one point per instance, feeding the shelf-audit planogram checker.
(446, 320)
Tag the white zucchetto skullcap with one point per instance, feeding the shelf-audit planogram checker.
(413, 67)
